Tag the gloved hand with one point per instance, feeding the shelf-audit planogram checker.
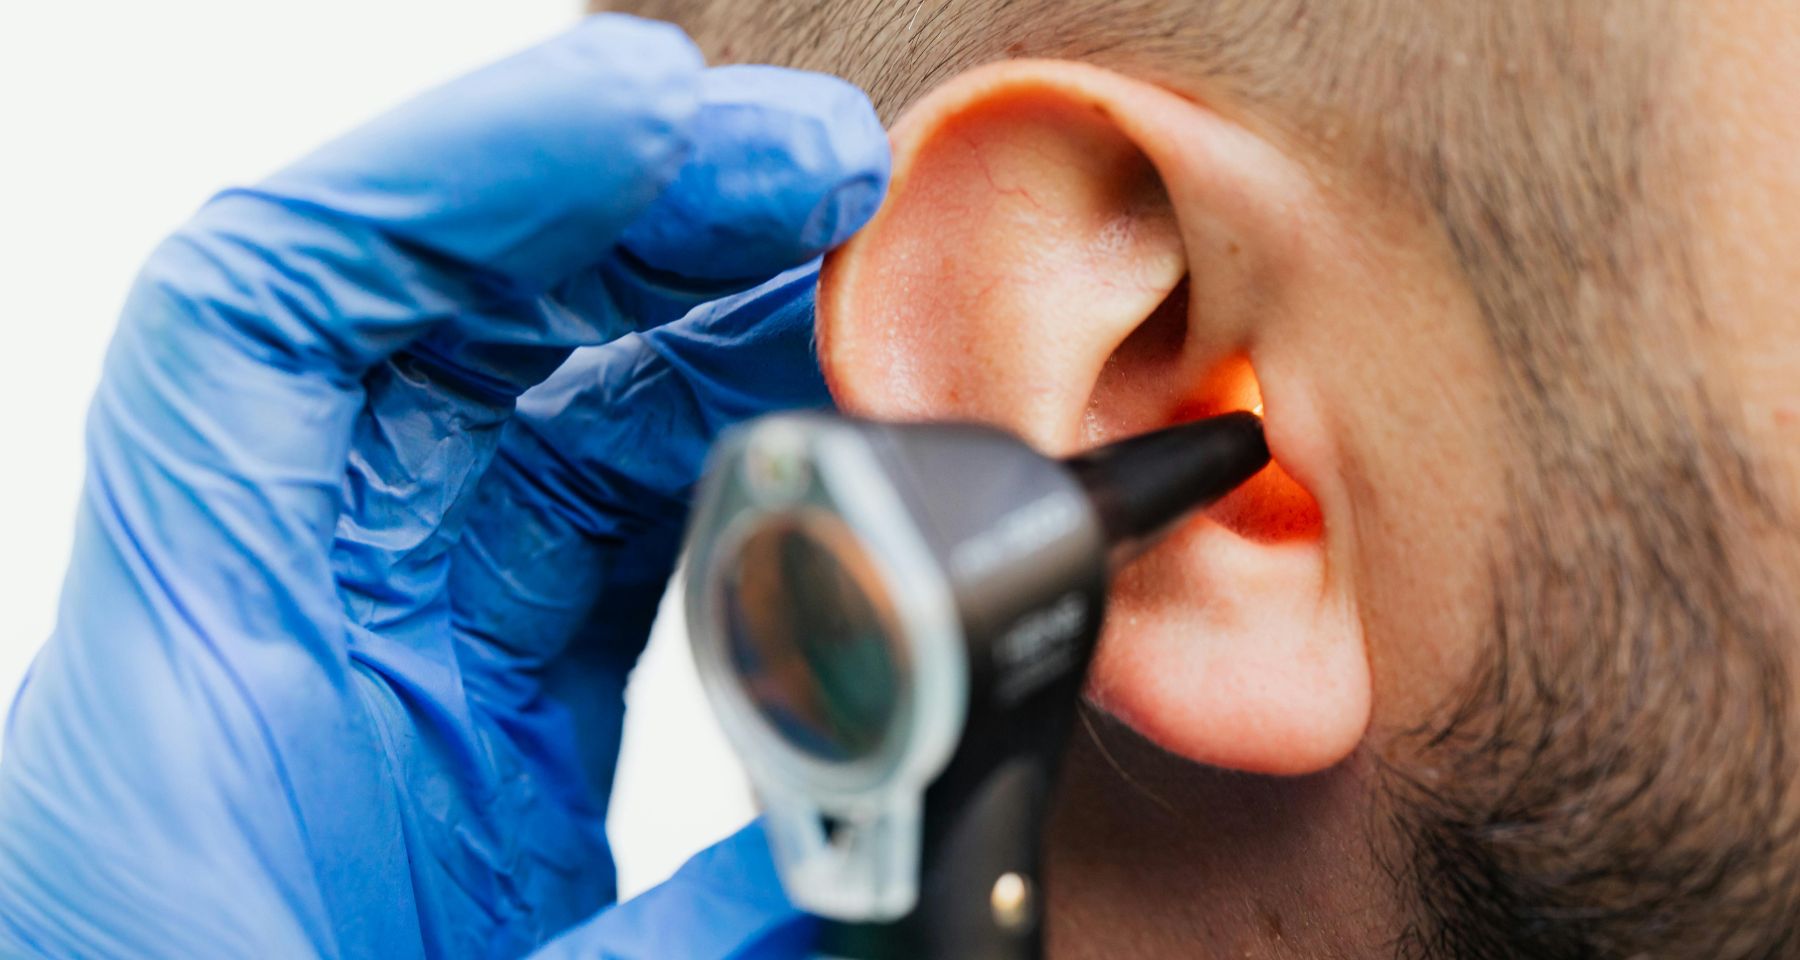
(340, 655)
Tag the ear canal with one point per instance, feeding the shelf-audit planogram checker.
(1154, 379)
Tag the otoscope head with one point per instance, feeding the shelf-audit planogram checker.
(894, 623)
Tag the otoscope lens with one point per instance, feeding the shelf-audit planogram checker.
(812, 637)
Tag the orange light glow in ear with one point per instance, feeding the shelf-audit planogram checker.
(1272, 507)
(1233, 387)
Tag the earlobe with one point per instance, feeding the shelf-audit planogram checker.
(1079, 256)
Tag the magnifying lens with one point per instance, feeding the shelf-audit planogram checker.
(893, 622)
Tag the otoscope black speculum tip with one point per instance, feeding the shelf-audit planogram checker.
(1142, 486)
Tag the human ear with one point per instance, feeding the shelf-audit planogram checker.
(1079, 256)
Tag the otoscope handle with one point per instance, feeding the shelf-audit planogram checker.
(981, 892)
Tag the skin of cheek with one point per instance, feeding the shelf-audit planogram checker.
(1735, 108)
(1150, 856)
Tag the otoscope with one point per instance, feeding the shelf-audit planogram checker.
(893, 623)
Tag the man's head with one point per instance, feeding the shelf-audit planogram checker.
(1500, 663)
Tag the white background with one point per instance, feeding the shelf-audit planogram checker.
(117, 119)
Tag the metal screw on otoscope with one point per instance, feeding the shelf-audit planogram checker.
(1012, 901)
(894, 623)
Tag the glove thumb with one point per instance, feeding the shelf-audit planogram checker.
(724, 904)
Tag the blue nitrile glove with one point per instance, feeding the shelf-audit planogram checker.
(326, 684)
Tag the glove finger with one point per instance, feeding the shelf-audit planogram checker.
(434, 411)
(733, 219)
(731, 214)
(576, 528)
(725, 904)
(781, 166)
